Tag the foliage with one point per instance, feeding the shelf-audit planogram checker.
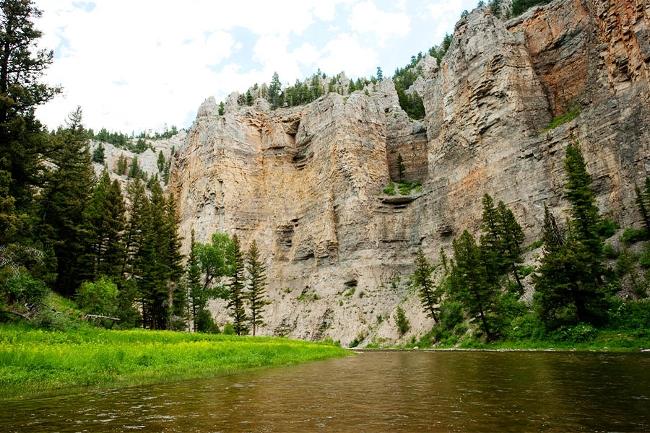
(402, 322)
(390, 189)
(570, 286)
(98, 154)
(561, 120)
(423, 281)
(521, 6)
(256, 286)
(237, 290)
(99, 297)
(24, 289)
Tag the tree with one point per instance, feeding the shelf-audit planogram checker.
(400, 168)
(423, 281)
(98, 154)
(100, 297)
(193, 279)
(380, 74)
(643, 202)
(65, 193)
(403, 323)
(570, 282)
(469, 282)
(161, 161)
(21, 143)
(104, 224)
(214, 260)
(237, 285)
(512, 238)
(274, 90)
(256, 287)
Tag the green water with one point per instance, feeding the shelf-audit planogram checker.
(372, 392)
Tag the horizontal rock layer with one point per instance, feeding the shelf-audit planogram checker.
(306, 182)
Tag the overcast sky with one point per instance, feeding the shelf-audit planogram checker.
(141, 64)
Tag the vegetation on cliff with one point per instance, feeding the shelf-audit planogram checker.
(579, 296)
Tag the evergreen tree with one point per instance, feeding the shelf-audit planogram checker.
(194, 286)
(643, 202)
(275, 89)
(256, 287)
(121, 165)
(380, 74)
(104, 224)
(401, 168)
(222, 108)
(134, 171)
(422, 280)
(161, 161)
(237, 286)
(402, 322)
(22, 143)
(98, 154)
(512, 238)
(491, 244)
(65, 193)
(469, 282)
(570, 282)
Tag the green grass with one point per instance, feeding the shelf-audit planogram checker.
(563, 119)
(36, 361)
(404, 188)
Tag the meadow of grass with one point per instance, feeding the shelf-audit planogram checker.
(38, 361)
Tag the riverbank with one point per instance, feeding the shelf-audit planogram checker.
(37, 361)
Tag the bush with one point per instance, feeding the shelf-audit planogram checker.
(390, 189)
(205, 323)
(228, 329)
(25, 290)
(100, 297)
(451, 314)
(632, 236)
(403, 324)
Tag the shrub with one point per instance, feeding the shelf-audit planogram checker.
(25, 290)
(228, 329)
(205, 323)
(632, 236)
(451, 314)
(100, 297)
(403, 323)
(390, 189)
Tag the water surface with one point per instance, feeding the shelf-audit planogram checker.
(372, 392)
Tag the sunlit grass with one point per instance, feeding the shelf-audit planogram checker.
(36, 361)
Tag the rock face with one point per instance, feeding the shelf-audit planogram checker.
(306, 182)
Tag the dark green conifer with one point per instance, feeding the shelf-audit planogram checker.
(256, 287)
(237, 286)
(423, 281)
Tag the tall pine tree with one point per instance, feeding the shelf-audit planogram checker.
(423, 281)
(237, 298)
(256, 287)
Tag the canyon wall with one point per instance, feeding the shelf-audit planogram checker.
(306, 183)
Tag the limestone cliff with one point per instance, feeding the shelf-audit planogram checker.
(306, 182)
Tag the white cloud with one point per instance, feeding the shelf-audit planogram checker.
(346, 51)
(366, 18)
(140, 64)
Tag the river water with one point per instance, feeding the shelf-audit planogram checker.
(372, 392)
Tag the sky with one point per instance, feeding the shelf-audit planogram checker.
(135, 65)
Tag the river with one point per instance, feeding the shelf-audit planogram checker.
(372, 392)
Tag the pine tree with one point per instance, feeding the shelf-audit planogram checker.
(65, 193)
(491, 244)
(161, 162)
(402, 322)
(237, 286)
(104, 224)
(643, 202)
(256, 287)
(469, 282)
(422, 280)
(512, 238)
(22, 143)
(400, 168)
(275, 89)
(98, 154)
(194, 286)
(570, 282)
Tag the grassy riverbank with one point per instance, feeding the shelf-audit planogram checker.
(36, 361)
